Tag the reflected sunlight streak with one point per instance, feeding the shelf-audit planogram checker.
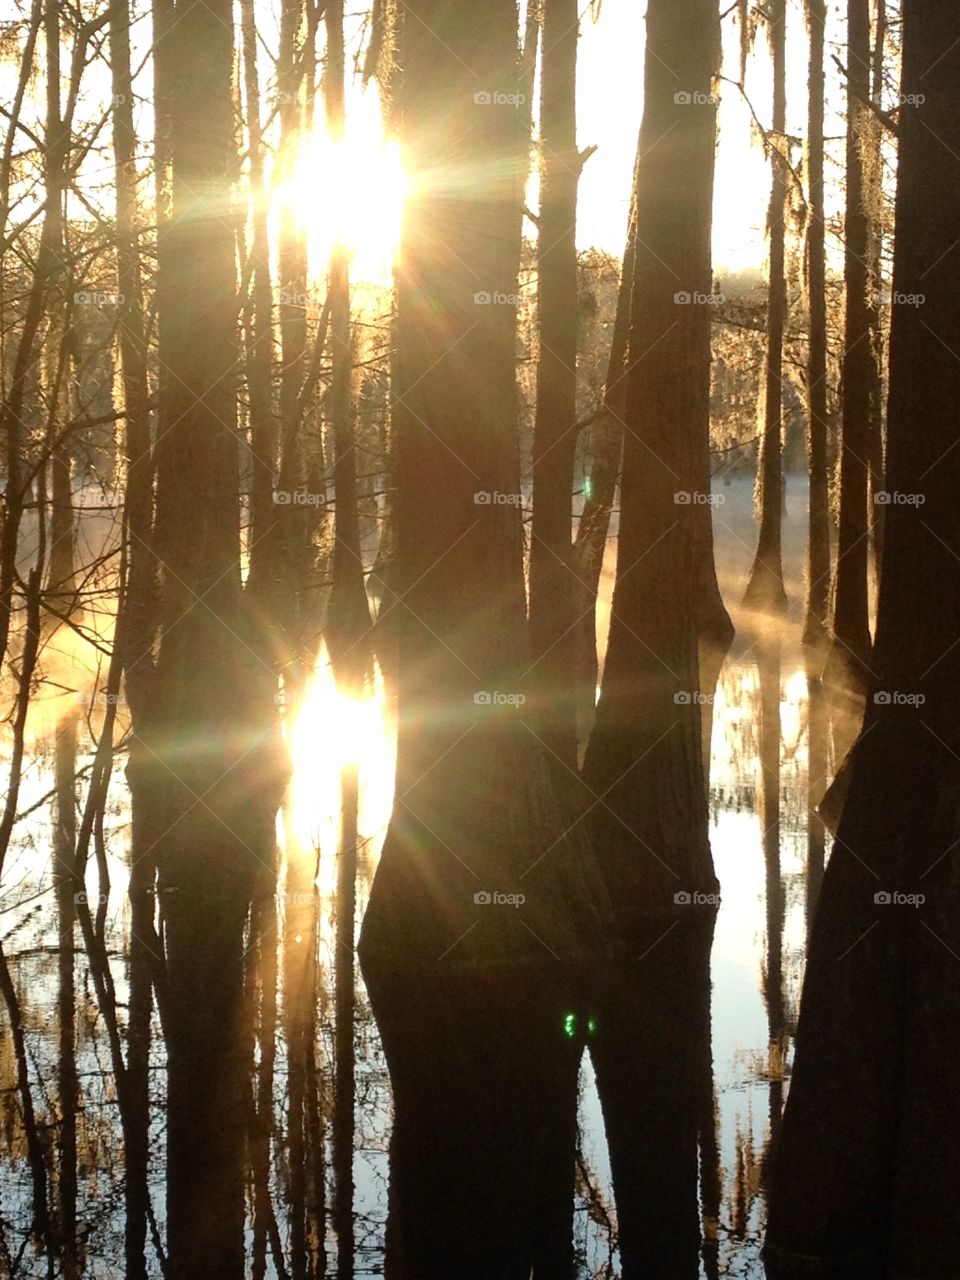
(331, 732)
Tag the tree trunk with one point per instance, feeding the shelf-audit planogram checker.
(139, 614)
(875, 231)
(49, 265)
(769, 665)
(607, 450)
(848, 667)
(651, 1045)
(643, 763)
(818, 523)
(872, 1108)
(259, 343)
(199, 729)
(765, 590)
(348, 613)
(552, 585)
(349, 643)
(469, 990)
(646, 744)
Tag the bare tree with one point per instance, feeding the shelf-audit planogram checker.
(849, 662)
(765, 586)
(552, 584)
(818, 521)
(868, 1113)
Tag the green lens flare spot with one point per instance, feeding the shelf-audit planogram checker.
(570, 1024)
(591, 1026)
(588, 488)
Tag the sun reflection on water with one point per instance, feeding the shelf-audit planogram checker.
(330, 733)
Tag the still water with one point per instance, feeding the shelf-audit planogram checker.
(771, 755)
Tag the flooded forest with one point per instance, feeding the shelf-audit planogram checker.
(479, 639)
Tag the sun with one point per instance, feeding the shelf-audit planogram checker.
(350, 193)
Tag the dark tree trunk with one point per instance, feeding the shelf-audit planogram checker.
(469, 992)
(765, 589)
(818, 522)
(817, 766)
(259, 341)
(288, 540)
(67, 1080)
(552, 584)
(769, 665)
(714, 625)
(643, 763)
(198, 729)
(135, 636)
(606, 442)
(872, 1107)
(646, 743)
(848, 666)
(300, 973)
(348, 614)
(348, 639)
(649, 1051)
(49, 266)
(875, 230)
